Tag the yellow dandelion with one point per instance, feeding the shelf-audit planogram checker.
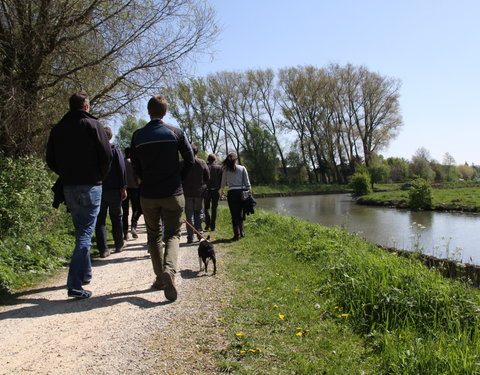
(337, 307)
(299, 334)
(300, 328)
(222, 300)
(281, 316)
(344, 315)
(259, 350)
(239, 334)
(276, 306)
(268, 288)
(220, 319)
(297, 290)
(251, 350)
(243, 351)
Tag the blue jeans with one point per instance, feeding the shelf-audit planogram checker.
(83, 201)
(194, 214)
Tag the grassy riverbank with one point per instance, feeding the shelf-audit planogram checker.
(444, 199)
(316, 300)
(298, 189)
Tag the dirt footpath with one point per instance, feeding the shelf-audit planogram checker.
(126, 327)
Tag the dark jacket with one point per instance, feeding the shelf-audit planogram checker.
(155, 158)
(215, 176)
(195, 182)
(116, 177)
(78, 149)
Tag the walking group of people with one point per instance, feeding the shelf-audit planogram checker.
(96, 178)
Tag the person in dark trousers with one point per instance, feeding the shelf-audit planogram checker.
(236, 178)
(154, 152)
(79, 152)
(212, 194)
(114, 192)
(194, 187)
(133, 199)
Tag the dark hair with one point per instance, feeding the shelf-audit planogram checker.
(78, 100)
(194, 149)
(108, 132)
(230, 161)
(211, 158)
(157, 106)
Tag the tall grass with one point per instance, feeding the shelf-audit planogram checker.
(313, 300)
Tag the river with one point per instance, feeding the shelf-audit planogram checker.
(454, 236)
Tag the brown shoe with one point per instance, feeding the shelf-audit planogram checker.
(120, 249)
(104, 254)
(168, 279)
(133, 231)
(157, 284)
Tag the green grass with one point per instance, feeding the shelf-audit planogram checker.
(455, 199)
(316, 300)
(298, 189)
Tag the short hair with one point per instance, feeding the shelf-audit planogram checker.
(79, 100)
(194, 149)
(157, 106)
(108, 132)
(211, 158)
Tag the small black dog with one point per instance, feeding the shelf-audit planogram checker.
(206, 252)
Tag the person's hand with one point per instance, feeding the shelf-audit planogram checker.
(123, 191)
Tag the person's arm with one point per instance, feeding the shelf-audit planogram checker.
(223, 183)
(137, 168)
(123, 174)
(246, 179)
(187, 155)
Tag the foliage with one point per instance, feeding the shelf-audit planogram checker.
(361, 184)
(378, 173)
(420, 195)
(466, 172)
(260, 156)
(34, 237)
(110, 49)
(124, 135)
(25, 196)
(420, 165)
(398, 169)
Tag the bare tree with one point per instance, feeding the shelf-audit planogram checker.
(118, 51)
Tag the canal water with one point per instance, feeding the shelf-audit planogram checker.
(454, 236)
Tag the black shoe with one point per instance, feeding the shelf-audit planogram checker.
(104, 254)
(134, 232)
(168, 280)
(120, 249)
(79, 293)
(189, 240)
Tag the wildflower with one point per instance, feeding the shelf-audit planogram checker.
(344, 315)
(299, 334)
(220, 319)
(275, 306)
(268, 288)
(222, 300)
(297, 290)
(282, 317)
(239, 334)
(299, 328)
(317, 306)
(243, 351)
(251, 350)
(258, 350)
(337, 307)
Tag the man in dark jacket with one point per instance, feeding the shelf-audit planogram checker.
(212, 194)
(194, 186)
(114, 191)
(155, 158)
(79, 152)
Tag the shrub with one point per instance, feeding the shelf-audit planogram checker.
(25, 196)
(361, 184)
(420, 195)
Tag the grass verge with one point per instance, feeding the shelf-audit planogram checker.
(316, 300)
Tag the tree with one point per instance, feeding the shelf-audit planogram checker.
(260, 155)
(129, 125)
(398, 169)
(420, 165)
(117, 51)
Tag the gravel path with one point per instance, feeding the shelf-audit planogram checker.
(124, 328)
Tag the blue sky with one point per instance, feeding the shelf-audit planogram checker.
(432, 47)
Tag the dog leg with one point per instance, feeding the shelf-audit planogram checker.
(200, 263)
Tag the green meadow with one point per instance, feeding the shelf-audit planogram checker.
(314, 300)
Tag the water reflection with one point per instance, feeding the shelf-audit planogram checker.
(451, 235)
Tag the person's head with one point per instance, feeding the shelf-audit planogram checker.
(194, 149)
(211, 158)
(108, 132)
(157, 106)
(79, 100)
(230, 161)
